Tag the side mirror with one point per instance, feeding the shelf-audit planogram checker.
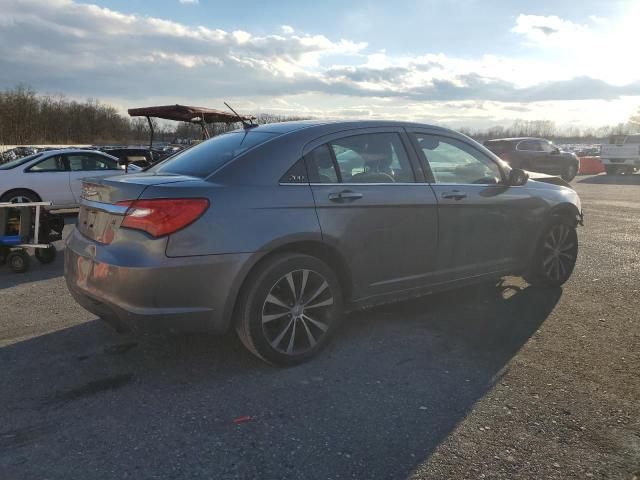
(124, 162)
(517, 177)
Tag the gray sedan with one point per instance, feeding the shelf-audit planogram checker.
(277, 230)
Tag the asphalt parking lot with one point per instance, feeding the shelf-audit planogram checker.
(486, 382)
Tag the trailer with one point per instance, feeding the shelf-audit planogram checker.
(24, 227)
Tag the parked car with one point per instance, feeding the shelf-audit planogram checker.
(276, 230)
(621, 155)
(54, 175)
(535, 155)
(17, 152)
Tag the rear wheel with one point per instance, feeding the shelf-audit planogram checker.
(289, 309)
(556, 254)
(18, 261)
(46, 255)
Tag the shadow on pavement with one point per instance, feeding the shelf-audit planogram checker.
(603, 179)
(395, 382)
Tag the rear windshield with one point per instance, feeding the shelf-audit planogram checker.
(498, 147)
(205, 158)
(18, 161)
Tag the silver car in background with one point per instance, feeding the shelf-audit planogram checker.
(277, 230)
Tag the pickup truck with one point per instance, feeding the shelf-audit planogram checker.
(621, 155)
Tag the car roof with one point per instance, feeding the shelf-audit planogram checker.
(287, 127)
(516, 139)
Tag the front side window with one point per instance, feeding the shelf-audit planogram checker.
(547, 147)
(530, 146)
(455, 162)
(51, 164)
(89, 162)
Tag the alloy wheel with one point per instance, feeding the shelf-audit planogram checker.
(296, 312)
(19, 199)
(560, 250)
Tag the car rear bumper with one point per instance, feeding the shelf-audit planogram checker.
(186, 294)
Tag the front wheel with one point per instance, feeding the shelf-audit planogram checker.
(555, 255)
(289, 309)
(570, 172)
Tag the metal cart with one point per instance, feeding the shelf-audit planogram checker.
(31, 228)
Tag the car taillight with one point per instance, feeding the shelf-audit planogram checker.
(162, 216)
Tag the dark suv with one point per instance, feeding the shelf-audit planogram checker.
(535, 155)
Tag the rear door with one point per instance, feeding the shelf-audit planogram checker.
(482, 221)
(375, 208)
(88, 165)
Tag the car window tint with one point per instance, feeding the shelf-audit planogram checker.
(89, 162)
(208, 156)
(546, 146)
(321, 166)
(372, 158)
(296, 174)
(453, 161)
(498, 147)
(530, 145)
(51, 164)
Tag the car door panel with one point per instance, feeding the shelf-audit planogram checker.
(386, 232)
(49, 178)
(480, 224)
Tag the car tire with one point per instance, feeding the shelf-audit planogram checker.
(19, 196)
(18, 261)
(289, 309)
(555, 255)
(46, 255)
(570, 172)
(611, 169)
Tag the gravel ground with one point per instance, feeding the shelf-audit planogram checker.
(484, 382)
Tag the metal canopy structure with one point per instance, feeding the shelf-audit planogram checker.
(186, 113)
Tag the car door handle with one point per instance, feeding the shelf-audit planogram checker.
(454, 195)
(344, 195)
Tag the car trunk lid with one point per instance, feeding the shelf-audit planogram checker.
(101, 210)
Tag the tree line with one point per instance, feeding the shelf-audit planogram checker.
(29, 118)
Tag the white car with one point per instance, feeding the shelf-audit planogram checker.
(55, 176)
(621, 154)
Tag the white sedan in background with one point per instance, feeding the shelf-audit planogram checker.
(55, 176)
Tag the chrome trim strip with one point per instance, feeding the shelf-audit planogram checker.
(105, 207)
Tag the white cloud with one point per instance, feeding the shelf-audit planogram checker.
(189, 2)
(86, 50)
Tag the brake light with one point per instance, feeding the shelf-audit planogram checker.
(162, 216)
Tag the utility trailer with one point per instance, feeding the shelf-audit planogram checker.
(27, 226)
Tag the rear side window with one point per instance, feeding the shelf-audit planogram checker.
(366, 158)
(205, 158)
(499, 147)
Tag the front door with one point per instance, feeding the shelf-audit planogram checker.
(482, 221)
(373, 209)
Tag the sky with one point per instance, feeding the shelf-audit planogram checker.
(459, 63)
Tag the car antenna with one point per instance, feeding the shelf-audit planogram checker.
(244, 123)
